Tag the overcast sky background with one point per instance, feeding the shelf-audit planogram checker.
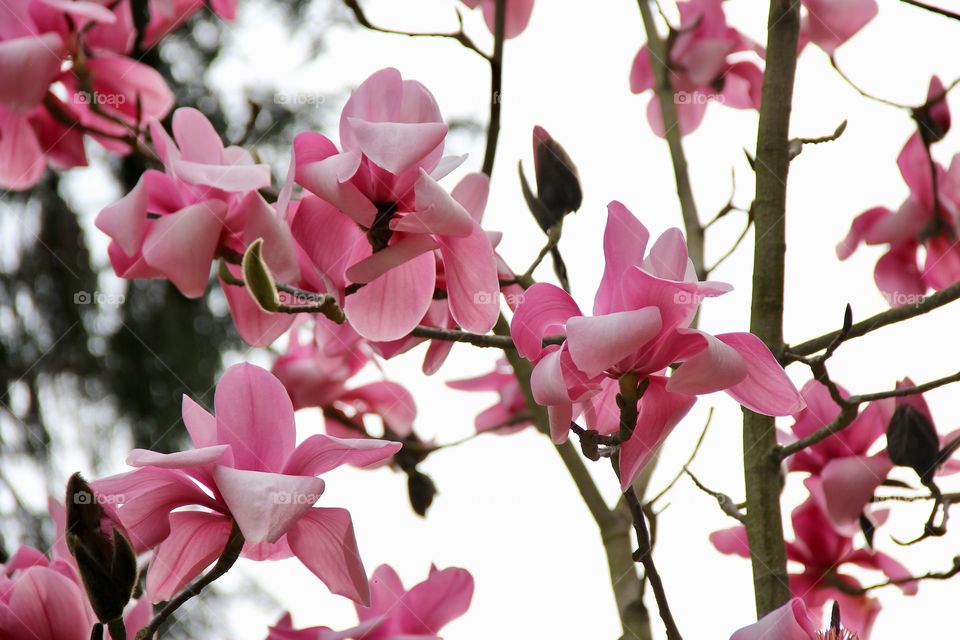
(507, 510)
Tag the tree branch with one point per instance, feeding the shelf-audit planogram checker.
(496, 87)
(932, 9)
(761, 465)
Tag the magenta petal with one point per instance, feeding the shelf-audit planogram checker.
(732, 541)
(42, 603)
(624, 243)
(898, 276)
(849, 484)
(226, 177)
(717, 366)
(473, 286)
(830, 23)
(27, 66)
(328, 236)
(859, 230)
(324, 178)
(766, 389)
(660, 412)
(321, 453)
(600, 342)
(389, 307)
(257, 327)
(124, 220)
(266, 505)
(324, 541)
(181, 245)
(544, 308)
(789, 622)
(434, 603)
(472, 193)
(196, 540)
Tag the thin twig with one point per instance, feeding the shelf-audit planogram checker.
(923, 5)
(693, 455)
(727, 505)
(496, 86)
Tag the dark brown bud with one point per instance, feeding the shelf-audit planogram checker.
(558, 182)
(912, 442)
(422, 491)
(105, 558)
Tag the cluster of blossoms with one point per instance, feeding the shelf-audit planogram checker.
(67, 69)
(709, 61)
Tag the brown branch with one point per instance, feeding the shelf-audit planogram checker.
(761, 464)
(659, 57)
(888, 317)
(727, 505)
(927, 7)
(933, 575)
(458, 35)
(496, 86)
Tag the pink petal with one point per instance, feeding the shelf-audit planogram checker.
(178, 460)
(849, 484)
(397, 146)
(660, 412)
(324, 541)
(329, 237)
(624, 243)
(181, 246)
(389, 400)
(254, 416)
(325, 179)
(396, 254)
(27, 67)
(136, 83)
(225, 177)
(320, 453)
(389, 307)
(434, 603)
(766, 389)
(898, 276)
(125, 219)
(437, 212)
(259, 220)
(859, 229)
(516, 20)
(732, 541)
(258, 328)
(472, 192)
(198, 141)
(600, 342)
(473, 286)
(45, 605)
(789, 622)
(196, 540)
(641, 73)
(545, 308)
(830, 23)
(21, 159)
(717, 366)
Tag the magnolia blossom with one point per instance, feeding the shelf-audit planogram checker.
(791, 622)
(518, 15)
(701, 67)
(830, 23)
(641, 326)
(43, 599)
(842, 465)
(511, 413)
(396, 613)
(245, 469)
(924, 219)
(822, 553)
(385, 182)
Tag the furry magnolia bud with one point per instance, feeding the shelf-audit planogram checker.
(105, 558)
(558, 182)
(912, 442)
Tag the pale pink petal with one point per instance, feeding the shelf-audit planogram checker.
(641, 73)
(732, 541)
(600, 342)
(849, 484)
(325, 179)
(434, 603)
(396, 254)
(196, 138)
(473, 286)
(180, 459)
(859, 229)
(789, 622)
(125, 219)
(830, 23)
(898, 276)
(27, 67)
(471, 192)
(397, 146)
(717, 366)
(258, 328)
(21, 159)
(45, 605)
(437, 212)
(329, 237)
(225, 177)
(324, 541)
(261, 221)
(266, 505)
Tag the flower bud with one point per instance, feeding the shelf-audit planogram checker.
(912, 442)
(933, 118)
(422, 491)
(105, 558)
(558, 182)
(258, 279)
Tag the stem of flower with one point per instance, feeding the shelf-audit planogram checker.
(496, 86)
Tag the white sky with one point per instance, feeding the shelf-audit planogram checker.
(507, 510)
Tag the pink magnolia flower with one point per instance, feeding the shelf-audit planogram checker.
(396, 613)
(505, 416)
(923, 220)
(701, 68)
(516, 20)
(842, 464)
(385, 181)
(830, 23)
(822, 553)
(245, 469)
(317, 373)
(642, 312)
(42, 599)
